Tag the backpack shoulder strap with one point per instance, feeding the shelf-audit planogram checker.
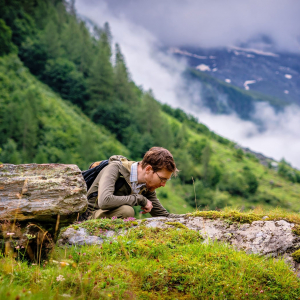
(91, 174)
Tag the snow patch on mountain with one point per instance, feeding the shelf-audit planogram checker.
(186, 53)
(255, 51)
(247, 82)
(203, 68)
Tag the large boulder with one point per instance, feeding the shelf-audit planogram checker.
(41, 193)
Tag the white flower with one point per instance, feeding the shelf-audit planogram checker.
(10, 233)
(60, 278)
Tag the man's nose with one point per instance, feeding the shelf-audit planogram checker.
(162, 183)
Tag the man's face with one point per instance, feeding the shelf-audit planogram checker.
(157, 179)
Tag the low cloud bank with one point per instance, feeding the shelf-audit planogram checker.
(151, 68)
(212, 23)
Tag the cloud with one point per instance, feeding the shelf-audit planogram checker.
(281, 139)
(212, 23)
(155, 69)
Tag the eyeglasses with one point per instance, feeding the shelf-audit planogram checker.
(163, 180)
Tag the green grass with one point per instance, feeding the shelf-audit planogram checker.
(149, 264)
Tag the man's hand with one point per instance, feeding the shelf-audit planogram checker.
(147, 208)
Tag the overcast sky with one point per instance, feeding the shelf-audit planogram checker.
(142, 27)
(212, 23)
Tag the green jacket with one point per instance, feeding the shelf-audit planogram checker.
(108, 198)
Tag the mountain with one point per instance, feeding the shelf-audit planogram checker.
(247, 74)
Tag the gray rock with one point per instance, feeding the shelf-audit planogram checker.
(79, 237)
(40, 192)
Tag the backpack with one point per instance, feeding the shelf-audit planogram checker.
(91, 174)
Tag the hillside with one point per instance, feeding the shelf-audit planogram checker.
(38, 126)
(88, 108)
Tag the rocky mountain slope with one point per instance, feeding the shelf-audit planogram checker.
(254, 74)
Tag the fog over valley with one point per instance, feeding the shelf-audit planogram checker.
(146, 30)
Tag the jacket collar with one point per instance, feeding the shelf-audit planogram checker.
(125, 168)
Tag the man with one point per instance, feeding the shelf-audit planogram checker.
(140, 180)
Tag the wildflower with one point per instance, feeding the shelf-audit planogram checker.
(30, 236)
(246, 294)
(114, 217)
(60, 278)
(261, 291)
(18, 247)
(10, 233)
(84, 254)
(63, 263)
(129, 219)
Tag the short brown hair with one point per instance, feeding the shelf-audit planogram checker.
(159, 158)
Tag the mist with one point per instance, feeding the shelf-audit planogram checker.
(215, 23)
(159, 71)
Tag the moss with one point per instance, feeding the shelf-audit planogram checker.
(98, 227)
(296, 256)
(232, 216)
(296, 229)
(176, 224)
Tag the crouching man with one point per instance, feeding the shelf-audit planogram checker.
(123, 184)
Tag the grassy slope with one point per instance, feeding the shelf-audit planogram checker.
(64, 126)
(269, 180)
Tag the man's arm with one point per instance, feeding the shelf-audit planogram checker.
(158, 210)
(106, 198)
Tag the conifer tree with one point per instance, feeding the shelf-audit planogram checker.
(51, 40)
(101, 79)
(122, 86)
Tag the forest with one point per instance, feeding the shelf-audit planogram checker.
(66, 96)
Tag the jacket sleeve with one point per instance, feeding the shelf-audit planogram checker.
(158, 210)
(106, 198)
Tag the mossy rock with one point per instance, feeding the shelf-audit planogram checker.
(296, 229)
(296, 256)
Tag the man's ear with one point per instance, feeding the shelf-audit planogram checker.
(148, 168)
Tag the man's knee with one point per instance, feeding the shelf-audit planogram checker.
(126, 211)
